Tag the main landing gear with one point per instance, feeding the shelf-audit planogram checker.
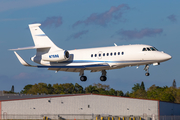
(146, 68)
(103, 76)
(84, 78)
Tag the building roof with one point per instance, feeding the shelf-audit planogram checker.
(29, 96)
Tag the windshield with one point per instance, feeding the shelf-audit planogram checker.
(149, 49)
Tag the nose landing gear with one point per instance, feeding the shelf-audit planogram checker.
(146, 68)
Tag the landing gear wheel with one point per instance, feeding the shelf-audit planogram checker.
(147, 74)
(83, 78)
(103, 78)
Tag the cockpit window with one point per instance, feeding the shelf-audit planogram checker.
(144, 49)
(149, 49)
(153, 49)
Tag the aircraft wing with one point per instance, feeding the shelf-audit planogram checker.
(70, 68)
(92, 67)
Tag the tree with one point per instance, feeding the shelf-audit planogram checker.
(78, 88)
(142, 86)
(174, 83)
(91, 89)
(155, 92)
(112, 92)
(50, 89)
(39, 88)
(120, 93)
(136, 87)
(26, 89)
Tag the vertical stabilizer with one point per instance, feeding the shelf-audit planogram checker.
(40, 39)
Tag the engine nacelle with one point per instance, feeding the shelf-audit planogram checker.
(58, 56)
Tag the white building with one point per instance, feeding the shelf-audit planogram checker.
(78, 105)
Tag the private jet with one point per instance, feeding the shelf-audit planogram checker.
(48, 55)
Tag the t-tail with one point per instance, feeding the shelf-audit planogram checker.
(46, 49)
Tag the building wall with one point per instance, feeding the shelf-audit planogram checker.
(0, 110)
(169, 108)
(82, 104)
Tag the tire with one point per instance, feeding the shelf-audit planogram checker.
(83, 78)
(103, 78)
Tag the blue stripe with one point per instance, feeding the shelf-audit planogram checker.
(85, 66)
(41, 35)
(91, 61)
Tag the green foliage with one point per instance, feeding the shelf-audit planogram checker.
(168, 94)
(26, 88)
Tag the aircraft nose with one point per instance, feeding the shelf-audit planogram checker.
(166, 56)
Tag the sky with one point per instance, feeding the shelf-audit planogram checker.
(75, 24)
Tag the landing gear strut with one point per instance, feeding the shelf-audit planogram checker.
(82, 78)
(103, 76)
(146, 68)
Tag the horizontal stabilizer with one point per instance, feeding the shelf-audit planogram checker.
(31, 47)
(22, 61)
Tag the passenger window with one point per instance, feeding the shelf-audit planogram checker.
(95, 55)
(103, 54)
(148, 49)
(99, 55)
(107, 54)
(91, 55)
(144, 49)
(118, 53)
(111, 54)
(122, 53)
(114, 53)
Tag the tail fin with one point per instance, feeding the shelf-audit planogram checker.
(40, 39)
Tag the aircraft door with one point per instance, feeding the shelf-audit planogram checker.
(99, 55)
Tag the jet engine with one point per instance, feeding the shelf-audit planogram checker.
(58, 56)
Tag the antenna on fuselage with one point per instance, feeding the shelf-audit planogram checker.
(115, 44)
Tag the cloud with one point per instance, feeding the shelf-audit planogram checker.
(135, 34)
(78, 35)
(23, 75)
(6, 5)
(172, 18)
(114, 13)
(52, 21)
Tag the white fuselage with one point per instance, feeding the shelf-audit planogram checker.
(115, 56)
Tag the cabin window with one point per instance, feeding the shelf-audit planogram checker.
(118, 53)
(114, 53)
(95, 55)
(122, 53)
(111, 54)
(91, 55)
(107, 54)
(103, 54)
(99, 55)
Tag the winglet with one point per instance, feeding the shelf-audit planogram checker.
(22, 61)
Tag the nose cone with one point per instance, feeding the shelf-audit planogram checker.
(166, 57)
